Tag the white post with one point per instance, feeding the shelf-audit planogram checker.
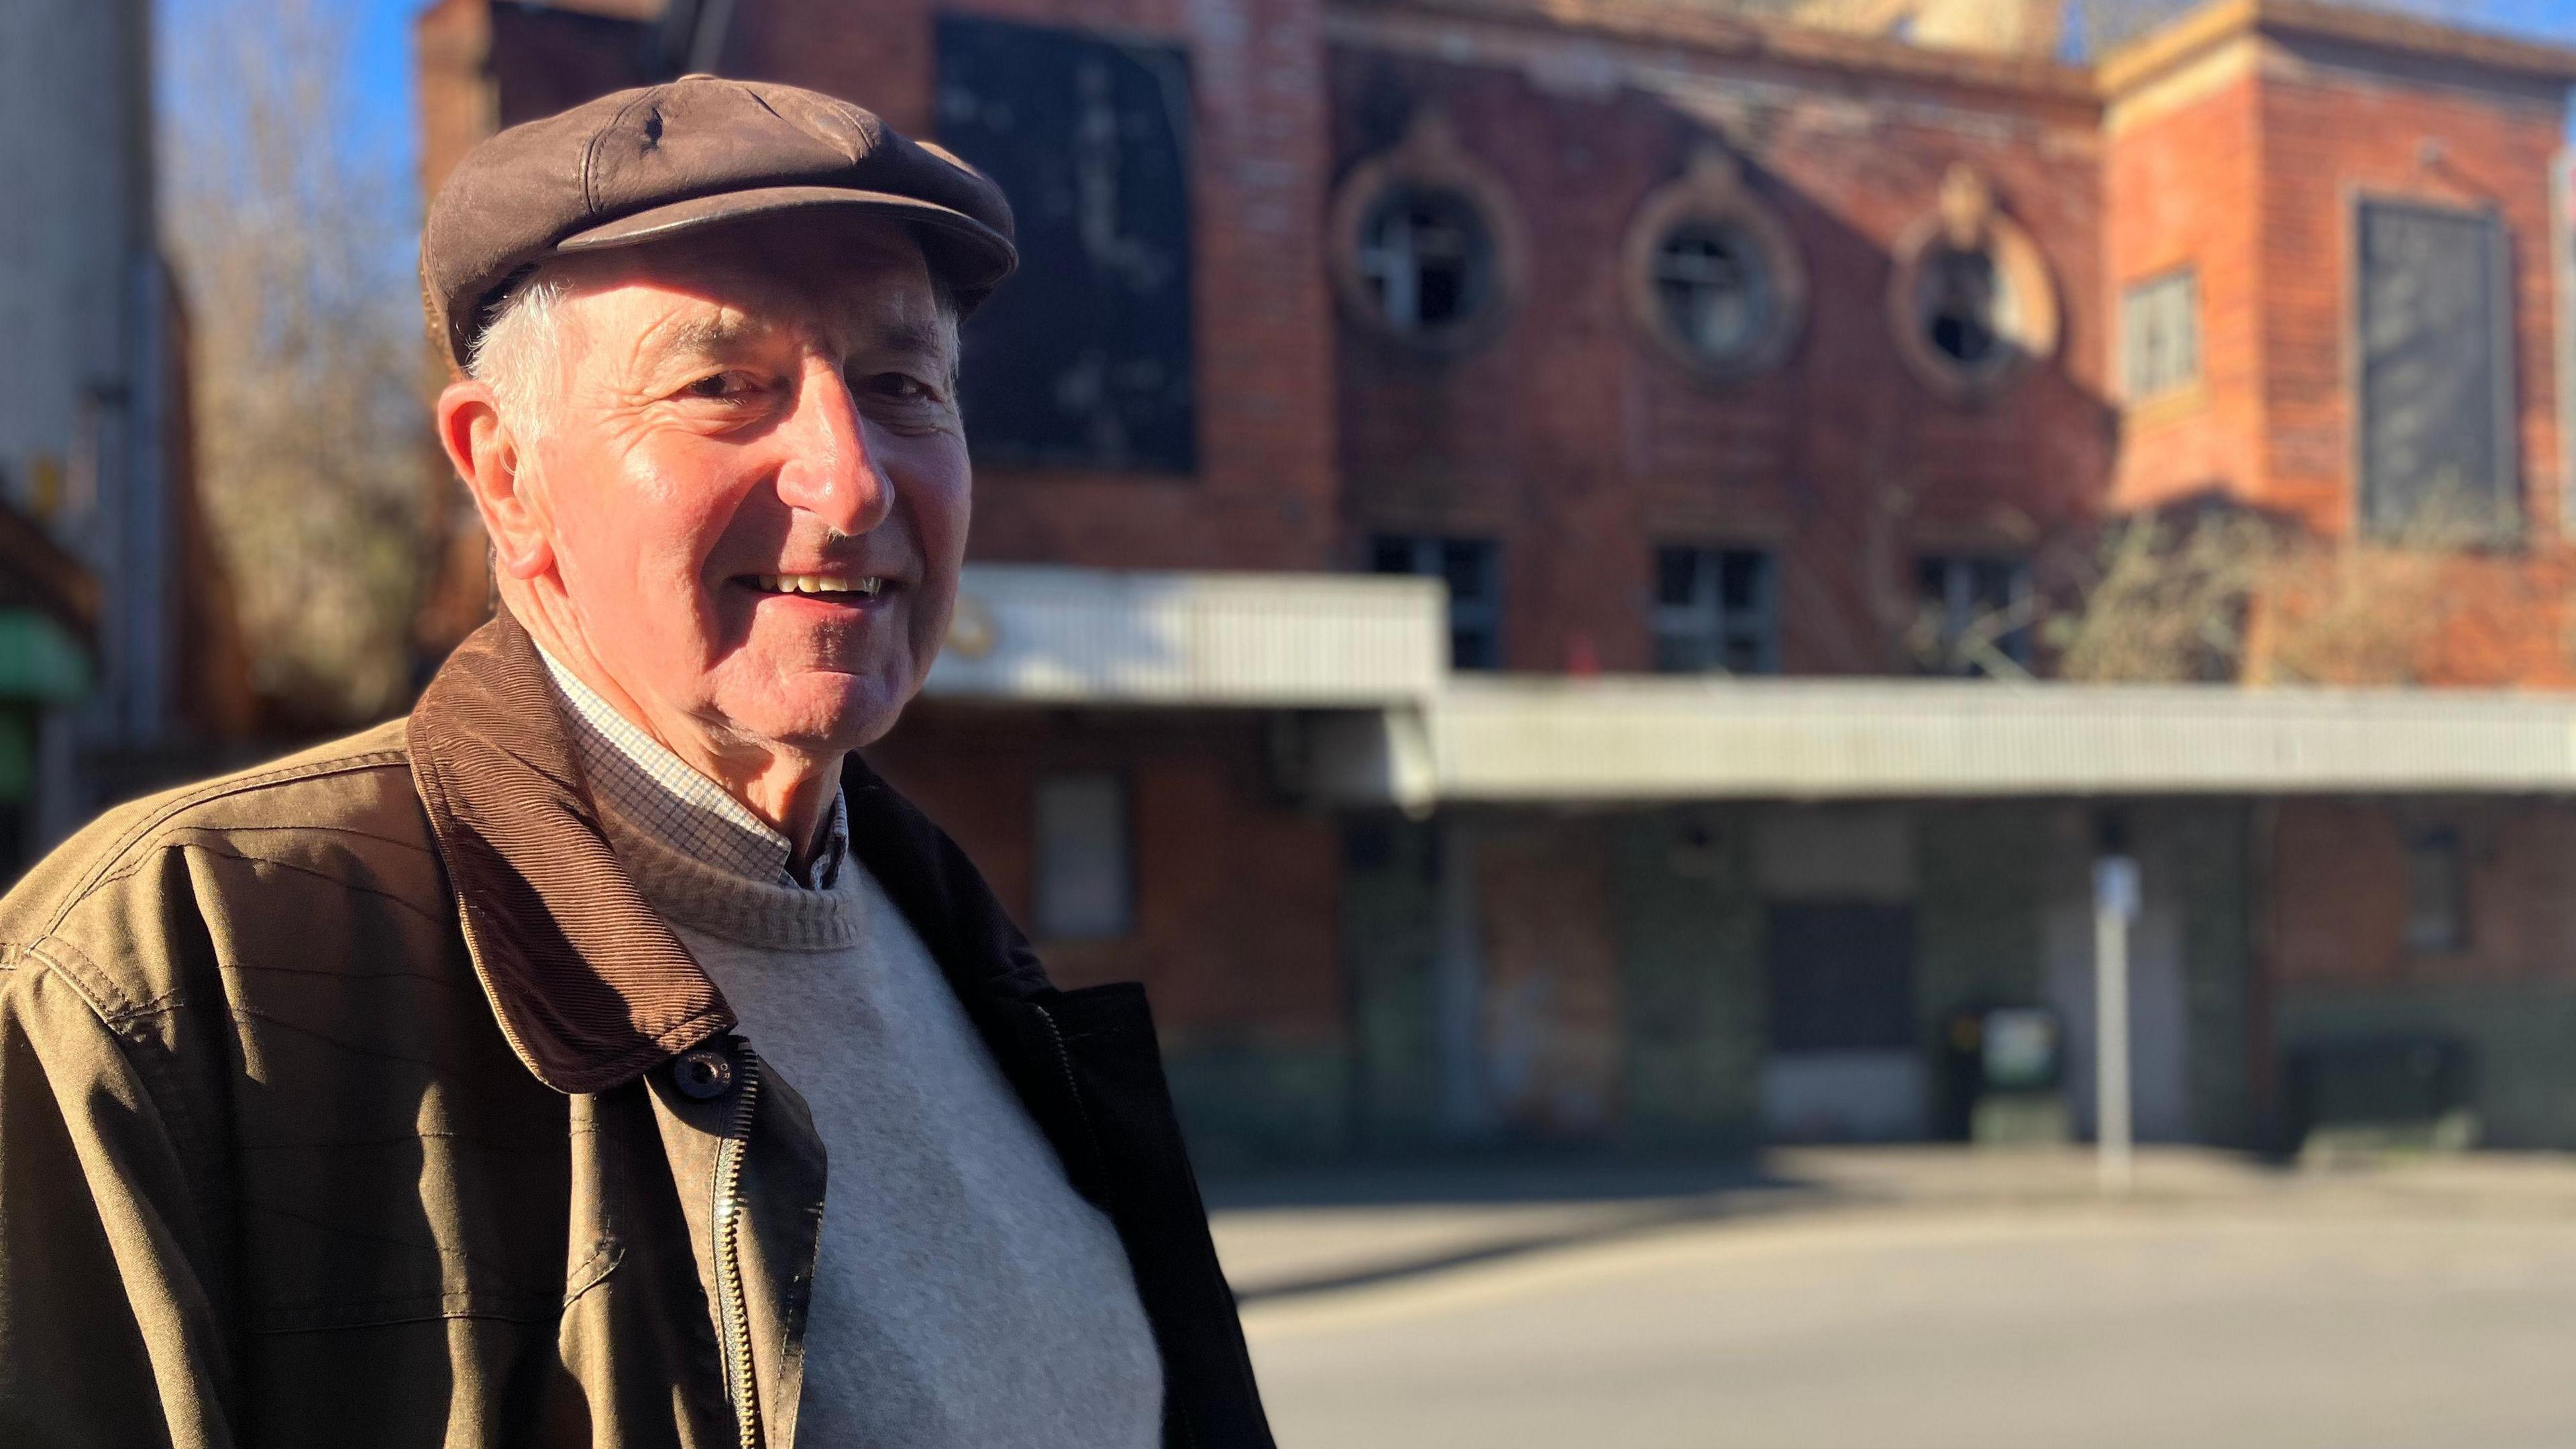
(2115, 905)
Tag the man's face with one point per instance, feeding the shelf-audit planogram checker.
(754, 482)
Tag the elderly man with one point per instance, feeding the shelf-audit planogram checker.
(604, 1055)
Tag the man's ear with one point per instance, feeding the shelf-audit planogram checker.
(493, 462)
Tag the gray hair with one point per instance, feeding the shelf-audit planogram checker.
(520, 353)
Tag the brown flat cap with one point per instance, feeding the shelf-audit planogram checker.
(645, 164)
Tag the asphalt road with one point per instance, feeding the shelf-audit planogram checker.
(2045, 1329)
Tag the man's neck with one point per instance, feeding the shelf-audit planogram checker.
(790, 793)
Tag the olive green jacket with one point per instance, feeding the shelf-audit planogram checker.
(359, 1099)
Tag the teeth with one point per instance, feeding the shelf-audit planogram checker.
(868, 587)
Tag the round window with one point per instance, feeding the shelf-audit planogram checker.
(1714, 292)
(1972, 303)
(1713, 275)
(1960, 305)
(1426, 260)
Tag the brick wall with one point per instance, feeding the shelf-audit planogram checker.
(2180, 167)
(2248, 163)
(1263, 496)
(2336, 125)
(2339, 892)
(1573, 440)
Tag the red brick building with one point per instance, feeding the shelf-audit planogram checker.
(1683, 345)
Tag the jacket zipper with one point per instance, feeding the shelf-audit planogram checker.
(731, 1304)
(1072, 1088)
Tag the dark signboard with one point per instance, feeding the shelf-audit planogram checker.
(1083, 360)
(1841, 976)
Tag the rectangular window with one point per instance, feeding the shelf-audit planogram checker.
(2437, 893)
(2435, 337)
(1085, 890)
(1084, 360)
(1473, 570)
(1716, 611)
(2160, 335)
(1974, 616)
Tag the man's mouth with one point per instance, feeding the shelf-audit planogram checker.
(853, 586)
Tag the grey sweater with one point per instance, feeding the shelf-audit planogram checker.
(966, 1297)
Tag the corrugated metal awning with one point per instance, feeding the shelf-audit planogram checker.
(1042, 634)
(1368, 656)
(1632, 739)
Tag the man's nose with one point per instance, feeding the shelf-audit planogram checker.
(828, 470)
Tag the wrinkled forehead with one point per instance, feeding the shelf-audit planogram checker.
(836, 286)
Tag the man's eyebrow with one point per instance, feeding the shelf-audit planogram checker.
(706, 336)
(909, 334)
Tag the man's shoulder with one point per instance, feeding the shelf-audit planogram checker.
(338, 818)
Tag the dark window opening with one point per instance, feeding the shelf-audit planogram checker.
(1962, 293)
(2437, 893)
(1472, 568)
(1715, 290)
(1716, 610)
(1427, 259)
(1973, 616)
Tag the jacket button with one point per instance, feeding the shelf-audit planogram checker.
(704, 1073)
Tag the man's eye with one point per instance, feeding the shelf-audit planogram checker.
(898, 387)
(720, 386)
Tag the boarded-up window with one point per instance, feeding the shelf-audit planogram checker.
(2436, 372)
(2437, 892)
(1083, 359)
(1841, 976)
(1085, 890)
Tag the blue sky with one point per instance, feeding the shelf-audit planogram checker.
(383, 66)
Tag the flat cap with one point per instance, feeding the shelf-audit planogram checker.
(654, 162)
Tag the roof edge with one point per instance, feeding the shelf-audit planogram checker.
(2159, 51)
(1680, 23)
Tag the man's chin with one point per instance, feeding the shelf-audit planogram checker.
(825, 712)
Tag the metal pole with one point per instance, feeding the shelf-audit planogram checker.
(2115, 905)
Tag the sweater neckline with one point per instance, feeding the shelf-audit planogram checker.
(762, 914)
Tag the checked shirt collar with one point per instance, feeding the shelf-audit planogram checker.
(631, 773)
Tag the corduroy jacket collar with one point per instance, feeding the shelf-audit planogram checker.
(590, 987)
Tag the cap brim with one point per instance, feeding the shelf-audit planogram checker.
(974, 259)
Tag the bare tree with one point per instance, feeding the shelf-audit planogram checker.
(2214, 593)
(293, 239)
(2166, 599)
